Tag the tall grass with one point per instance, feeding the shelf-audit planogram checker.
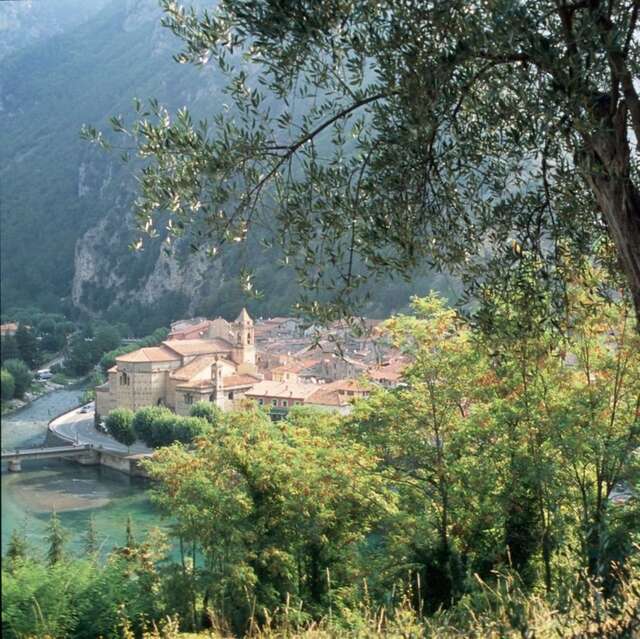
(499, 611)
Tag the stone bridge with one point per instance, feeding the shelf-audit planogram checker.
(15, 457)
(85, 454)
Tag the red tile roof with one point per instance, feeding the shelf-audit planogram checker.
(240, 380)
(282, 390)
(187, 371)
(390, 371)
(149, 354)
(339, 393)
(188, 347)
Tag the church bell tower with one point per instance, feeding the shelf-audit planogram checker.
(244, 350)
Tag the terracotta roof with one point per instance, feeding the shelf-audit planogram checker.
(240, 380)
(199, 346)
(187, 371)
(113, 369)
(148, 354)
(389, 371)
(195, 384)
(11, 326)
(201, 326)
(284, 390)
(294, 366)
(327, 398)
(337, 393)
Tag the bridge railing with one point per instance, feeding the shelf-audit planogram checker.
(44, 450)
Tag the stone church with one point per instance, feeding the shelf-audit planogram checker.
(219, 365)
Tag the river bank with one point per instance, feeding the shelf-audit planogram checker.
(76, 492)
(14, 405)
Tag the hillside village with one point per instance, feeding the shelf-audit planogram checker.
(274, 362)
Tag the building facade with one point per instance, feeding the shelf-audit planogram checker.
(219, 366)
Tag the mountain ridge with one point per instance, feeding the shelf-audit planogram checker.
(66, 207)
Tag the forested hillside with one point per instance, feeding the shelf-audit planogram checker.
(66, 207)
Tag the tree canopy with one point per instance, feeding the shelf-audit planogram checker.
(369, 137)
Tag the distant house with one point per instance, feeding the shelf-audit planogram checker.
(8, 330)
(338, 396)
(280, 394)
(277, 327)
(388, 374)
(278, 397)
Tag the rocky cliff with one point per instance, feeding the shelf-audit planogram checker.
(66, 207)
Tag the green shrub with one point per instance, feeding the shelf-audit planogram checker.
(59, 378)
(120, 426)
(144, 420)
(163, 430)
(186, 429)
(21, 374)
(208, 411)
(157, 426)
(7, 385)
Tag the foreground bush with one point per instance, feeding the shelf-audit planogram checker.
(126, 598)
(21, 374)
(158, 426)
(119, 424)
(7, 385)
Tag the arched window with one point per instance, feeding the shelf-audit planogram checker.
(124, 379)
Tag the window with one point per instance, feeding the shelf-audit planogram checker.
(274, 402)
(124, 379)
(230, 396)
(188, 398)
(284, 403)
(260, 402)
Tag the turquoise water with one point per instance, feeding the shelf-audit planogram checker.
(75, 492)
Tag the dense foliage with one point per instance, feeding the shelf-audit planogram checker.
(158, 426)
(39, 337)
(119, 424)
(479, 136)
(83, 199)
(80, 597)
(498, 482)
(22, 376)
(136, 592)
(7, 385)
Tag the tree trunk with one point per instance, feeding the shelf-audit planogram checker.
(620, 205)
(607, 171)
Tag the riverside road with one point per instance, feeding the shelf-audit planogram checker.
(78, 427)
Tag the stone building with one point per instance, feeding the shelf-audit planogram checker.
(219, 367)
(278, 397)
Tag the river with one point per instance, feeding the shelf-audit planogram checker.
(76, 492)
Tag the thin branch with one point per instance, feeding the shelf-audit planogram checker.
(291, 149)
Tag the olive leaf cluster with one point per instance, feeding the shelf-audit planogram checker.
(367, 138)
